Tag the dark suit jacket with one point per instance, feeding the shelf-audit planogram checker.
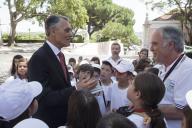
(53, 101)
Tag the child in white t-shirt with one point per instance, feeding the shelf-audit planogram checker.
(145, 93)
(124, 75)
(106, 81)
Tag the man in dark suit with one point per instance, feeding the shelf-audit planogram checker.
(49, 68)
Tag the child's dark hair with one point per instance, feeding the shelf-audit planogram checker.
(115, 120)
(13, 66)
(109, 64)
(83, 110)
(153, 70)
(97, 70)
(144, 50)
(142, 64)
(72, 60)
(95, 59)
(84, 68)
(152, 91)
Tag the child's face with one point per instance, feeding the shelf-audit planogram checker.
(72, 64)
(143, 54)
(121, 77)
(84, 75)
(106, 72)
(96, 75)
(22, 68)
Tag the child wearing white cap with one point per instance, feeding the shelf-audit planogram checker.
(17, 99)
(98, 90)
(124, 75)
(106, 81)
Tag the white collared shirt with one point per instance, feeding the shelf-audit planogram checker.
(53, 48)
(177, 84)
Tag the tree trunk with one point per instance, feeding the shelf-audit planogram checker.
(190, 38)
(11, 41)
(89, 29)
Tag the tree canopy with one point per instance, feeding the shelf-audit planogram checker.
(183, 10)
(73, 9)
(19, 10)
(96, 14)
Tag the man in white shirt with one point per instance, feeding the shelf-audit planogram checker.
(167, 45)
(115, 50)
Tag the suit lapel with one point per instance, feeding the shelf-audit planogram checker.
(54, 62)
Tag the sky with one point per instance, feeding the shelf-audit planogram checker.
(138, 6)
(139, 9)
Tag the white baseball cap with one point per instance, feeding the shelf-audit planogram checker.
(70, 69)
(31, 123)
(188, 97)
(96, 66)
(84, 62)
(125, 66)
(16, 96)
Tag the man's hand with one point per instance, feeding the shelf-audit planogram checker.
(86, 83)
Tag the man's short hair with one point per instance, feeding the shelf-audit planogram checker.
(172, 34)
(51, 21)
(115, 43)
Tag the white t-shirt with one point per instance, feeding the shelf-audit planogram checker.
(107, 91)
(177, 84)
(73, 82)
(62, 127)
(137, 120)
(114, 63)
(11, 78)
(101, 104)
(118, 97)
(31, 123)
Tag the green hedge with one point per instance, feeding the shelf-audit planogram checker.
(26, 37)
(36, 37)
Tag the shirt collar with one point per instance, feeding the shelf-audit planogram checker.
(53, 47)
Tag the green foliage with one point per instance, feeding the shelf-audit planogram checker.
(100, 12)
(114, 30)
(125, 16)
(182, 12)
(20, 10)
(25, 37)
(73, 9)
(110, 21)
(78, 39)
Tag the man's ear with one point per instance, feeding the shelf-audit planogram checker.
(138, 95)
(32, 109)
(52, 30)
(171, 45)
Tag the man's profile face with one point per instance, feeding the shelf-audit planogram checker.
(62, 33)
(115, 49)
(159, 49)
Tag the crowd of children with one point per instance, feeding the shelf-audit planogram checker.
(126, 96)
